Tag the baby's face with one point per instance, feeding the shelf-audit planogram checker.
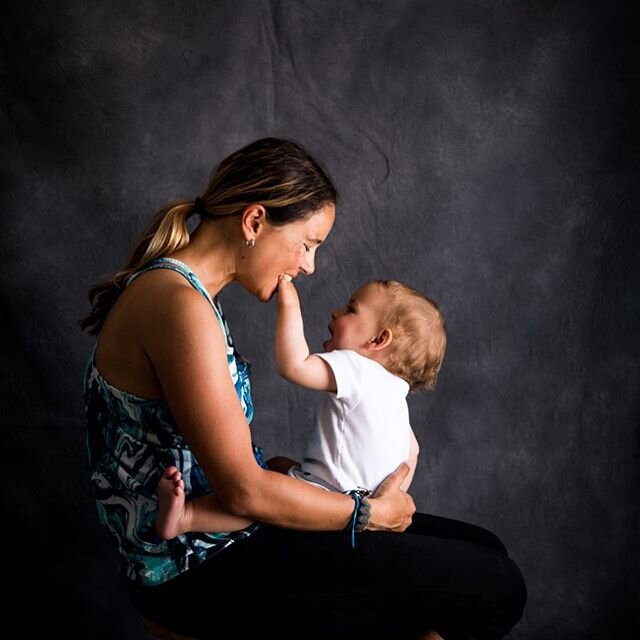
(359, 321)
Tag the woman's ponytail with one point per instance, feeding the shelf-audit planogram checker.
(166, 232)
(278, 174)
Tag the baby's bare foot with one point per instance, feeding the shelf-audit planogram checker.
(171, 511)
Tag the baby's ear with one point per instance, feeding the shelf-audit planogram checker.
(382, 340)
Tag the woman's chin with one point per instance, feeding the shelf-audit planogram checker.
(265, 295)
(271, 295)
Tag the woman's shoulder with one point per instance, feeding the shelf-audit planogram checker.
(158, 318)
(163, 301)
(156, 303)
(158, 282)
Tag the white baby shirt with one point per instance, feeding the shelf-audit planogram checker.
(362, 432)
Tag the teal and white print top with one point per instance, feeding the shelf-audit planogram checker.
(131, 441)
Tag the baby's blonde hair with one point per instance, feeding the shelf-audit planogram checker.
(419, 336)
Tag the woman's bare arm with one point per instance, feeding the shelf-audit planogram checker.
(186, 346)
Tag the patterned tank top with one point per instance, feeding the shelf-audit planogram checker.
(131, 441)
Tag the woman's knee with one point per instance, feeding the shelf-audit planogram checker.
(489, 539)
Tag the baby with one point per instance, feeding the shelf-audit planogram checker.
(388, 339)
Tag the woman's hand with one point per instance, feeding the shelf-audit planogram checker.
(391, 507)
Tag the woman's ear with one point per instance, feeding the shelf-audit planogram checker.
(382, 340)
(254, 217)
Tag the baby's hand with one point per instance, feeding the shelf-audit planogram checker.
(287, 294)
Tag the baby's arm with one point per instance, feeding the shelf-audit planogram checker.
(414, 450)
(293, 360)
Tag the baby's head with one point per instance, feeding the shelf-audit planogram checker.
(395, 325)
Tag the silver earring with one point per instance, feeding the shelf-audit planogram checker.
(250, 243)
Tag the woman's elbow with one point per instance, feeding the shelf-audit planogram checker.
(239, 498)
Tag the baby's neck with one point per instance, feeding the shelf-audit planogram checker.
(381, 357)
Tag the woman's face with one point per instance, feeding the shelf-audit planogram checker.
(290, 248)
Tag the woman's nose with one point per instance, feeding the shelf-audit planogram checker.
(309, 263)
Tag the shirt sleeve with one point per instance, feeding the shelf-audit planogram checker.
(347, 367)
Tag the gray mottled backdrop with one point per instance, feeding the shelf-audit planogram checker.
(484, 153)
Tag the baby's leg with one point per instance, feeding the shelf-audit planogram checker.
(177, 515)
(172, 507)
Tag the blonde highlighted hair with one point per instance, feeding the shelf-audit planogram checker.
(278, 174)
(419, 335)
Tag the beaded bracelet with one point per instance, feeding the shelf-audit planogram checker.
(361, 513)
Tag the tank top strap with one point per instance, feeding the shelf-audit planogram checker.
(192, 279)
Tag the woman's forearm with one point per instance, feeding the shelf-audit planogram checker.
(208, 515)
(283, 501)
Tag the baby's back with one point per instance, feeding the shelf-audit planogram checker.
(363, 430)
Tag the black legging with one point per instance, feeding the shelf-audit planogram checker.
(441, 574)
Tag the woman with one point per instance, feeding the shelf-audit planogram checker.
(164, 386)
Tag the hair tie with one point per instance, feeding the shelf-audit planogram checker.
(198, 207)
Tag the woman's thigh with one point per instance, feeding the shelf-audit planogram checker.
(430, 525)
(389, 586)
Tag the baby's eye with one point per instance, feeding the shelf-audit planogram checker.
(306, 247)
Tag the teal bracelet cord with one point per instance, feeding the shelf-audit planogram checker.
(357, 500)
